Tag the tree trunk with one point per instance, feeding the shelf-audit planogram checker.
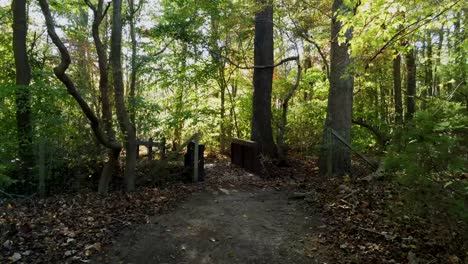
(110, 168)
(429, 73)
(410, 84)
(23, 97)
(335, 158)
(133, 74)
(263, 79)
(284, 113)
(122, 115)
(104, 137)
(437, 62)
(397, 89)
(106, 107)
(179, 100)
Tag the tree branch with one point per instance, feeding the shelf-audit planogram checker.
(255, 66)
(60, 72)
(381, 138)
(322, 55)
(401, 33)
(90, 5)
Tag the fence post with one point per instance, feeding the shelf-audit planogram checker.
(150, 149)
(42, 168)
(137, 151)
(329, 146)
(195, 160)
(163, 148)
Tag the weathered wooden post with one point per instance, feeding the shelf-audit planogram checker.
(150, 149)
(195, 159)
(245, 154)
(163, 148)
(329, 145)
(42, 168)
(137, 150)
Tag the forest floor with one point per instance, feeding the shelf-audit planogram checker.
(232, 225)
(294, 216)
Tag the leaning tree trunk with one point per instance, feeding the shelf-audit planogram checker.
(23, 97)
(112, 163)
(263, 80)
(397, 89)
(410, 84)
(335, 158)
(122, 115)
(102, 135)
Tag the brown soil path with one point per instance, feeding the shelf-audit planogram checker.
(222, 225)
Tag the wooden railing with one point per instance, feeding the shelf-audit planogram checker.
(150, 144)
(246, 154)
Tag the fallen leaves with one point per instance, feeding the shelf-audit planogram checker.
(366, 222)
(73, 228)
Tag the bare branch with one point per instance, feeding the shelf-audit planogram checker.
(106, 9)
(255, 66)
(90, 5)
(322, 55)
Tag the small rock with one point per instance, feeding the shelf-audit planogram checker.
(8, 244)
(15, 257)
(224, 191)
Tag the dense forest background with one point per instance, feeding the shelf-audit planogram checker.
(358, 109)
(81, 81)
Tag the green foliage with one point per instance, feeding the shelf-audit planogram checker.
(432, 143)
(430, 158)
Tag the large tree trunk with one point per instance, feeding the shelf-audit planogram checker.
(397, 89)
(263, 79)
(335, 158)
(23, 97)
(122, 115)
(410, 84)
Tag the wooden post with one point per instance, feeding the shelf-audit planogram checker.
(42, 168)
(150, 149)
(329, 146)
(137, 151)
(163, 148)
(195, 159)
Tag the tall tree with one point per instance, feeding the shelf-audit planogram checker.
(263, 79)
(397, 89)
(126, 126)
(112, 163)
(132, 19)
(61, 72)
(335, 157)
(410, 84)
(23, 97)
(428, 79)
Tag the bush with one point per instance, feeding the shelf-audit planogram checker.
(430, 157)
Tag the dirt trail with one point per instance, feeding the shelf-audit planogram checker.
(233, 225)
